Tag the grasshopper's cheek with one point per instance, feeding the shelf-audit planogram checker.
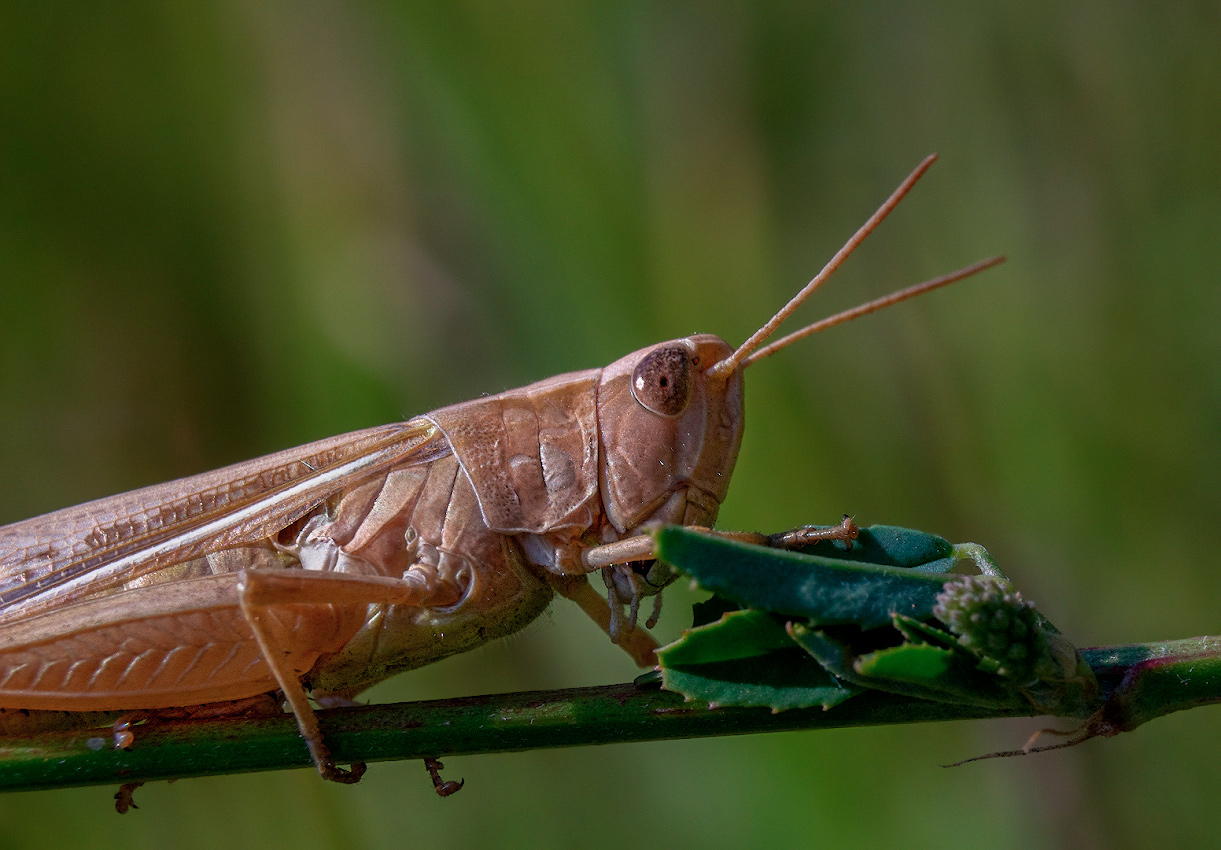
(670, 512)
(701, 508)
(688, 506)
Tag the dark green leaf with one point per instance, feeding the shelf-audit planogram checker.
(914, 670)
(928, 672)
(835, 656)
(918, 632)
(738, 634)
(779, 680)
(911, 662)
(823, 590)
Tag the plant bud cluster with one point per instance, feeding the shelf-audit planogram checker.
(996, 623)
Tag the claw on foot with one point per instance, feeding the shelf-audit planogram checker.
(656, 615)
(444, 788)
(124, 799)
(334, 773)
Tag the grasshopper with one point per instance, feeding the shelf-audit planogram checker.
(329, 567)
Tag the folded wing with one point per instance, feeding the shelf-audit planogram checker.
(82, 551)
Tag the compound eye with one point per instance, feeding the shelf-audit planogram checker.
(662, 381)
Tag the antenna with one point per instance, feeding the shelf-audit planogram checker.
(870, 307)
(730, 363)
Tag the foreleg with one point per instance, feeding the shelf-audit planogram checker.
(634, 641)
(641, 548)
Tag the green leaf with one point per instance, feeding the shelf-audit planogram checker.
(918, 632)
(779, 680)
(826, 591)
(911, 662)
(747, 659)
(738, 634)
(914, 670)
(836, 657)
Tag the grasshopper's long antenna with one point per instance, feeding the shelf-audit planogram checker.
(871, 307)
(733, 361)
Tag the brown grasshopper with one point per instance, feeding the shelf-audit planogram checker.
(329, 567)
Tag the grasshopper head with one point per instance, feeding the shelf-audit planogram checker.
(670, 432)
(670, 417)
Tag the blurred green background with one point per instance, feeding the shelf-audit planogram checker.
(230, 228)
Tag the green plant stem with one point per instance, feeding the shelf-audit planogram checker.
(1140, 682)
